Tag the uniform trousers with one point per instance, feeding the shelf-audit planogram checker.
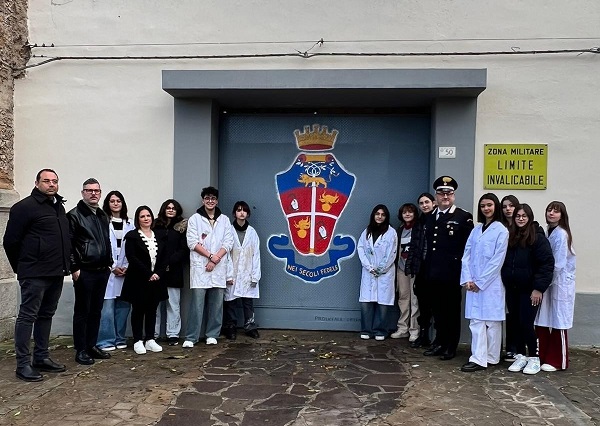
(446, 298)
(424, 294)
(486, 342)
(408, 304)
(554, 347)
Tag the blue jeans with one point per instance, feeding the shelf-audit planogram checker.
(113, 323)
(373, 318)
(213, 297)
(39, 299)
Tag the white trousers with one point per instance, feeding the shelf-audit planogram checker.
(173, 310)
(408, 304)
(486, 342)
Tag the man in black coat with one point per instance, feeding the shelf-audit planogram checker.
(91, 260)
(37, 245)
(446, 231)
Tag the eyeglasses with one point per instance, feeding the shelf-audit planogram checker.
(521, 216)
(92, 191)
(47, 181)
(443, 194)
(210, 198)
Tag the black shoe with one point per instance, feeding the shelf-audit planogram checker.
(447, 355)
(97, 353)
(510, 356)
(83, 358)
(253, 333)
(434, 351)
(230, 333)
(420, 342)
(469, 367)
(29, 374)
(48, 365)
(173, 341)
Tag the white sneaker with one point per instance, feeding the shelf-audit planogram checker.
(108, 348)
(413, 338)
(519, 364)
(380, 338)
(399, 334)
(139, 348)
(122, 346)
(365, 336)
(533, 365)
(188, 344)
(548, 367)
(211, 341)
(151, 345)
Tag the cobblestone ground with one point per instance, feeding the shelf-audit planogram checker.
(297, 378)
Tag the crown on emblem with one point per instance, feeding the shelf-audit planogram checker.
(316, 139)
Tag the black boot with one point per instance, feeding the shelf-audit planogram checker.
(230, 333)
(422, 340)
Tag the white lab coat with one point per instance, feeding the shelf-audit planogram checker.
(558, 303)
(212, 238)
(245, 259)
(115, 284)
(481, 263)
(381, 255)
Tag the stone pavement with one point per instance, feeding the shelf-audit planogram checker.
(297, 378)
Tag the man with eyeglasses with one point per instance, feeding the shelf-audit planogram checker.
(91, 259)
(446, 230)
(37, 245)
(209, 238)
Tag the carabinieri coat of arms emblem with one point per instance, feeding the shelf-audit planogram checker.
(313, 193)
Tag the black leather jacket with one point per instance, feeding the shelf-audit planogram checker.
(90, 241)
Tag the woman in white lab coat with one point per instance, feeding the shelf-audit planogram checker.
(377, 249)
(555, 316)
(480, 275)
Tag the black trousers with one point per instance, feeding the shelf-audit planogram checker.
(446, 299)
(89, 297)
(230, 308)
(143, 319)
(424, 294)
(39, 299)
(520, 331)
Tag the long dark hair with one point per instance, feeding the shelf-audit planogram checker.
(106, 204)
(497, 208)
(136, 219)
(374, 227)
(563, 222)
(526, 235)
(162, 221)
(514, 201)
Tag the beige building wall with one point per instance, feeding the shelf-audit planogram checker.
(111, 120)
